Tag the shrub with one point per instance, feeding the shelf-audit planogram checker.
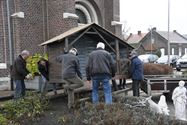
(157, 69)
(25, 109)
(3, 120)
(126, 111)
(32, 63)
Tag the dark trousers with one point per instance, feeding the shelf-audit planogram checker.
(135, 87)
(20, 88)
(70, 85)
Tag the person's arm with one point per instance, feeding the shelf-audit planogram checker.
(21, 68)
(78, 68)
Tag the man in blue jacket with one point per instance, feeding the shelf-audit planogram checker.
(100, 68)
(136, 72)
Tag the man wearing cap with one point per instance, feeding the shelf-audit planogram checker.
(100, 68)
(71, 73)
(19, 73)
(136, 72)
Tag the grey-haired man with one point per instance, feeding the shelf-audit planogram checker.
(100, 69)
(19, 73)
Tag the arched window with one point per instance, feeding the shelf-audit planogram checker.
(86, 12)
(82, 17)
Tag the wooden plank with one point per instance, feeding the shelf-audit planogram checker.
(75, 40)
(121, 91)
(104, 40)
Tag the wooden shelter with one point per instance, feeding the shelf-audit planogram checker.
(84, 38)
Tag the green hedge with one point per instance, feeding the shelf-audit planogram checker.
(125, 111)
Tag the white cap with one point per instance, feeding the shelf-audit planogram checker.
(101, 45)
(73, 51)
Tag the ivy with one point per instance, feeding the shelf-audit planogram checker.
(32, 63)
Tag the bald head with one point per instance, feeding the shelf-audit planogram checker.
(101, 45)
(25, 54)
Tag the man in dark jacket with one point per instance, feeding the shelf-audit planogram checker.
(100, 68)
(19, 73)
(136, 72)
(71, 73)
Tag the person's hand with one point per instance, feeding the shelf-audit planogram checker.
(89, 82)
(28, 76)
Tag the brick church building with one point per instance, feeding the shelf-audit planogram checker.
(32, 22)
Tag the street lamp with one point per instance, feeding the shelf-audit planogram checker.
(168, 32)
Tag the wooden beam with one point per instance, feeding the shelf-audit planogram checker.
(75, 40)
(91, 33)
(104, 39)
(66, 45)
(121, 91)
(117, 56)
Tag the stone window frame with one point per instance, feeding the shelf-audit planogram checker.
(88, 9)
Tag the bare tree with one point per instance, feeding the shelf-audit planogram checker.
(125, 29)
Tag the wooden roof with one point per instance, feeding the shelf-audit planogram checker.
(85, 29)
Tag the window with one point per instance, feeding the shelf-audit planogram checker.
(82, 17)
(185, 51)
(162, 50)
(86, 12)
(180, 51)
(173, 51)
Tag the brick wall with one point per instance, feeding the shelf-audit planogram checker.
(4, 41)
(43, 20)
(56, 23)
(109, 12)
(2, 38)
(28, 31)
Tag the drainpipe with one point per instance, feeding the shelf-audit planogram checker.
(168, 32)
(10, 41)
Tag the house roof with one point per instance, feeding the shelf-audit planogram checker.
(135, 38)
(174, 36)
(185, 35)
(148, 47)
(83, 28)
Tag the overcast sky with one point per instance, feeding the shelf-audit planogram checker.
(143, 14)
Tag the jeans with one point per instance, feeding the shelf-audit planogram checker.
(96, 80)
(20, 88)
(42, 85)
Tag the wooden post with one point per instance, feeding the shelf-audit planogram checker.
(165, 85)
(117, 57)
(148, 87)
(66, 45)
